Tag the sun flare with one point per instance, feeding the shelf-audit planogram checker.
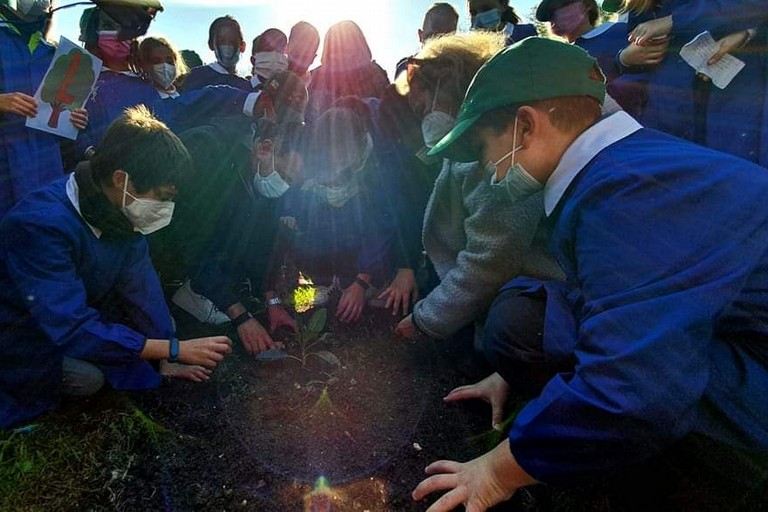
(373, 17)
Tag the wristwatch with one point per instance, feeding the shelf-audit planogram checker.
(274, 301)
(173, 350)
(240, 320)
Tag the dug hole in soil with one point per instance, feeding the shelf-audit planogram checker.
(260, 435)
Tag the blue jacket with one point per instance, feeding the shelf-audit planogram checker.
(115, 92)
(670, 258)
(29, 158)
(242, 247)
(63, 291)
(682, 105)
(604, 43)
(362, 228)
(520, 32)
(202, 76)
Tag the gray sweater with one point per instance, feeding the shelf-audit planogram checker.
(477, 240)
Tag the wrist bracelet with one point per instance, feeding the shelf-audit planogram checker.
(241, 319)
(274, 301)
(362, 283)
(173, 350)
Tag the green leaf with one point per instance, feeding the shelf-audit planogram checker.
(328, 357)
(317, 322)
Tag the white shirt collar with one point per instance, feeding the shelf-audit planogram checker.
(126, 73)
(73, 194)
(597, 31)
(255, 81)
(605, 132)
(218, 68)
(509, 29)
(164, 95)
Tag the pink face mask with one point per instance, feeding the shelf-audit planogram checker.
(567, 19)
(112, 49)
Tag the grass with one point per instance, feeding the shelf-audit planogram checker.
(75, 460)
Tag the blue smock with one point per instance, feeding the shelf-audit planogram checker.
(63, 291)
(669, 256)
(202, 76)
(29, 158)
(682, 105)
(519, 32)
(604, 43)
(362, 228)
(114, 92)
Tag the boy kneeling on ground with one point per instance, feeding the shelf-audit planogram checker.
(649, 368)
(80, 302)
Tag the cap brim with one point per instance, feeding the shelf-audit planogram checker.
(455, 146)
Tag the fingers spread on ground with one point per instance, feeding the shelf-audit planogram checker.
(434, 484)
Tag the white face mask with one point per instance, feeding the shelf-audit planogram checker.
(271, 186)
(267, 64)
(227, 55)
(337, 196)
(436, 124)
(163, 75)
(146, 215)
(517, 183)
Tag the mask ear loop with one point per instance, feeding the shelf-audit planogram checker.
(437, 92)
(125, 188)
(515, 147)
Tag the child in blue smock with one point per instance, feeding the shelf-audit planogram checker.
(225, 40)
(343, 228)
(80, 303)
(622, 63)
(689, 106)
(648, 367)
(120, 86)
(499, 16)
(29, 158)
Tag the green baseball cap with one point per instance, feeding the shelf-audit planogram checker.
(612, 5)
(534, 69)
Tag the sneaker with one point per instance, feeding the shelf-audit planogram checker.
(198, 306)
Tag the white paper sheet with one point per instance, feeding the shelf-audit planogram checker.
(67, 88)
(699, 50)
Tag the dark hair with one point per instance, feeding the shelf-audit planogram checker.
(150, 43)
(145, 148)
(303, 42)
(271, 40)
(508, 13)
(345, 43)
(306, 33)
(338, 131)
(594, 11)
(287, 137)
(226, 21)
(443, 16)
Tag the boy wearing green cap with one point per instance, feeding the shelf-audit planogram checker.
(658, 346)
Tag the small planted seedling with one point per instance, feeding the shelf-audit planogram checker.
(310, 334)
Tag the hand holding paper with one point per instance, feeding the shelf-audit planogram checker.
(705, 55)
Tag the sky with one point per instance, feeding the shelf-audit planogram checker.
(389, 25)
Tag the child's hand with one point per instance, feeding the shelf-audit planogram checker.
(351, 304)
(79, 118)
(289, 222)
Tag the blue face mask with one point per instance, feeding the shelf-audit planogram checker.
(517, 183)
(487, 20)
(227, 55)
